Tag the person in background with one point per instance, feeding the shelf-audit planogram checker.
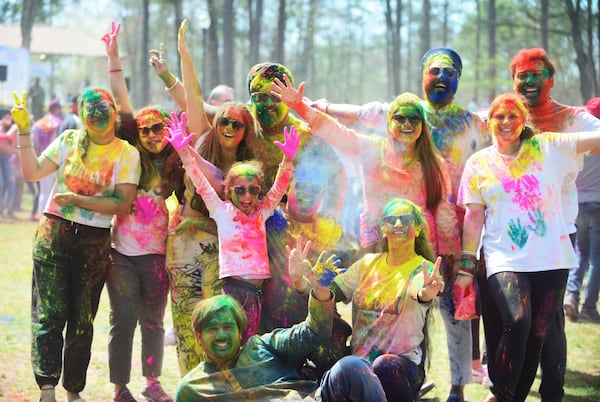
(588, 237)
(137, 280)
(97, 177)
(513, 195)
(533, 72)
(265, 367)
(71, 120)
(8, 141)
(37, 99)
(221, 94)
(43, 132)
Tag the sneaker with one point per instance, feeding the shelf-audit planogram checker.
(589, 315)
(155, 393)
(571, 306)
(124, 396)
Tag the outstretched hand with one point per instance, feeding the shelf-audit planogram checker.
(432, 284)
(181, 42)
(291, 142)
(110, 39)
(176, 129)
(20, 114)
(298, 263)
(326, 269)
(287, 93)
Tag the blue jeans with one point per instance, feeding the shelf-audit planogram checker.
(588, 242)
(351, 379)
(7, 183)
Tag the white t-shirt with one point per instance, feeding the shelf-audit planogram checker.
(525, 228)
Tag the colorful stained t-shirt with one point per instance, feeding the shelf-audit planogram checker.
(242, 238)
(385, 318)
(97, 174)
(144, 229)
(387, 175)
(456, 132)
(556, 117)
(525, 228)
(265, 369)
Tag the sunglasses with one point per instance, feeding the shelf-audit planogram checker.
(405, 220)
(157, 128)
(241, 190)
(448, 71)
(101, 106)
(413, 120)
(260, 97)
(225, 121)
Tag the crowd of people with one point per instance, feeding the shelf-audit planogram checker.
(238, 212)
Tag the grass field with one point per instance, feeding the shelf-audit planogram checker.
(17, 382)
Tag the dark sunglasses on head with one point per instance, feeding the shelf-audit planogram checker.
(241, 190)
(261, 97)
(400, 119)
(448, 71)
(405, 220)
(155, 128)
(101, 106)
(225, 121)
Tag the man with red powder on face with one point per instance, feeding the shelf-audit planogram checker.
(533, 76)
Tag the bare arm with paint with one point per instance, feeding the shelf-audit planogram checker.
(119, 203)
(197, 120)
(326, 127)
(472, 228)
(116, 78)
(173, 86)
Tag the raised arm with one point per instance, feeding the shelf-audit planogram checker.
(172, 84)
(197, 120)
(116, 78)
(588, 141)
(331, 131)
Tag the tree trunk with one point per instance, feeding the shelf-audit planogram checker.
(212, 46)
(445, 23)
(255, 16)
(492, 47)
(590, 40)
(477, 51)
(28, 13)
(228, 54)
(306, 68)
(545, 4)
(144, 81)
(278, 51)
(178, 19)
(425, 31)
(582, 60)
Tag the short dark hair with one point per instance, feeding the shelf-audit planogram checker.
(207, 308)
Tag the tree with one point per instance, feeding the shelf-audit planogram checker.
(255, 12)
(228, 53)
(492, 44)
(582, 59)
(278, 50)
(29, 11)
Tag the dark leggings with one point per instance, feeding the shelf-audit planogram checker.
(400, 377)
(526, 302)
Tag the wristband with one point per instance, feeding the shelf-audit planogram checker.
(115, 70)
(327, 108)
(169, 89)
(467, 265)
(465, 273)
(25, 133)
(24, 146)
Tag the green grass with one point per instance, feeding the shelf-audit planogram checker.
(17, 382)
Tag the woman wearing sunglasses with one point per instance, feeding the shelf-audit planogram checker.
(391, 294)
(243, 257)
(97, 177)
(403, 164)
(137, 280)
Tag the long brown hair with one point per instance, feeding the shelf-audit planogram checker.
(425, 151)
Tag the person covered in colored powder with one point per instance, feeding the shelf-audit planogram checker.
(457, 133)
(272, 115)
(513, 194)
(243, 258)
(404, 163)
(391, 294)
(192, 243)
(286, 307)
(265, 367)
(137, 280)
(97, 177)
